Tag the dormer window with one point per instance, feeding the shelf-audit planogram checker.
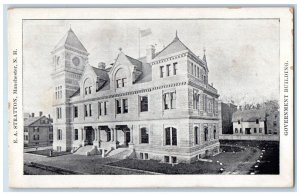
(121, 78)
(87, 87)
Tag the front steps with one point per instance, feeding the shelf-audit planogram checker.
(120, 153)
(84, 150)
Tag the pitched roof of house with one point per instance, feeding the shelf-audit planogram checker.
(31, 120)
(72, 40)
(249, 115)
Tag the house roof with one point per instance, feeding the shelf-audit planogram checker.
(135, 62)
(31, 120)
(249, 115)
(72, 40)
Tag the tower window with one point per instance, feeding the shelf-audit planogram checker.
(75, 111)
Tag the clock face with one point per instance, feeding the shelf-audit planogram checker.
(76, 61)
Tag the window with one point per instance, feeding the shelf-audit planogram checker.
(196, 100)
(204, 79)
(26, 137)
(25, 129)
(171, 136)
(146, 156)
(166, 159)
(108, 135)
(168, 70)
(144, 103)
(260, 130)
(125, 105)
(141, 155)
(59, 134)
(161, 71)
(169, 100)
(102, 108)
(192, 68)
(51, 136)
(205, 133)
(144, 135)
(254, 130)
(119, 83)
(174, 68)
(121, 78)
(88, 90)
(58, 92)
(241, 130)
(36, 137)
(274, 123)
(76, 134)
(88, 110)
(36, 129)
(196, 135)
(239, 122)
(58, 113)
(195, 70)
(118, 105)
(198, 72)
(75, 111)
(174, 159)
(215, 133)
(257, 121)
(236, 130)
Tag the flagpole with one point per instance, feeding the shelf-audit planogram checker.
(139, 43)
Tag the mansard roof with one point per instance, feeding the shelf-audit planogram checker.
(70, 39)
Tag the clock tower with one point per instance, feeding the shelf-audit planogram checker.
(69, 58)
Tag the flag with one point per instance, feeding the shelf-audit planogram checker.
(145, 32)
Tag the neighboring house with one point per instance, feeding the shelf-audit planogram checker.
(159, 106)
(256, 122)
(227, 110)
(38, 131)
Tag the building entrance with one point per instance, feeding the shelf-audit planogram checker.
(89, 133)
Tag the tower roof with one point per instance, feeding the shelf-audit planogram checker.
(70, 39)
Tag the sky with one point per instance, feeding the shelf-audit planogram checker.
(242, 55)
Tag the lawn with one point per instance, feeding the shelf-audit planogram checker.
(46, 152)
(164, 168)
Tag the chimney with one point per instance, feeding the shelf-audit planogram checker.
(32, 114)
(101, 65)
(41, 113)
(150, 53)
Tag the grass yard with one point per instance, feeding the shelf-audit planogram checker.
(181, 168)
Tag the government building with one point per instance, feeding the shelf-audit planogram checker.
(158, 107)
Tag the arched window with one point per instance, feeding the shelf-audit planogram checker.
(205, 133)
(87, 86)
(196, 130)
(144, 135)
(121, 78)
(171, 136)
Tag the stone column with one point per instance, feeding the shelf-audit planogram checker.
(112, 130)
(131, 136)
(115, 135)
(95, 133)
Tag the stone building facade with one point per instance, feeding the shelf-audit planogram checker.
(158, 107)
